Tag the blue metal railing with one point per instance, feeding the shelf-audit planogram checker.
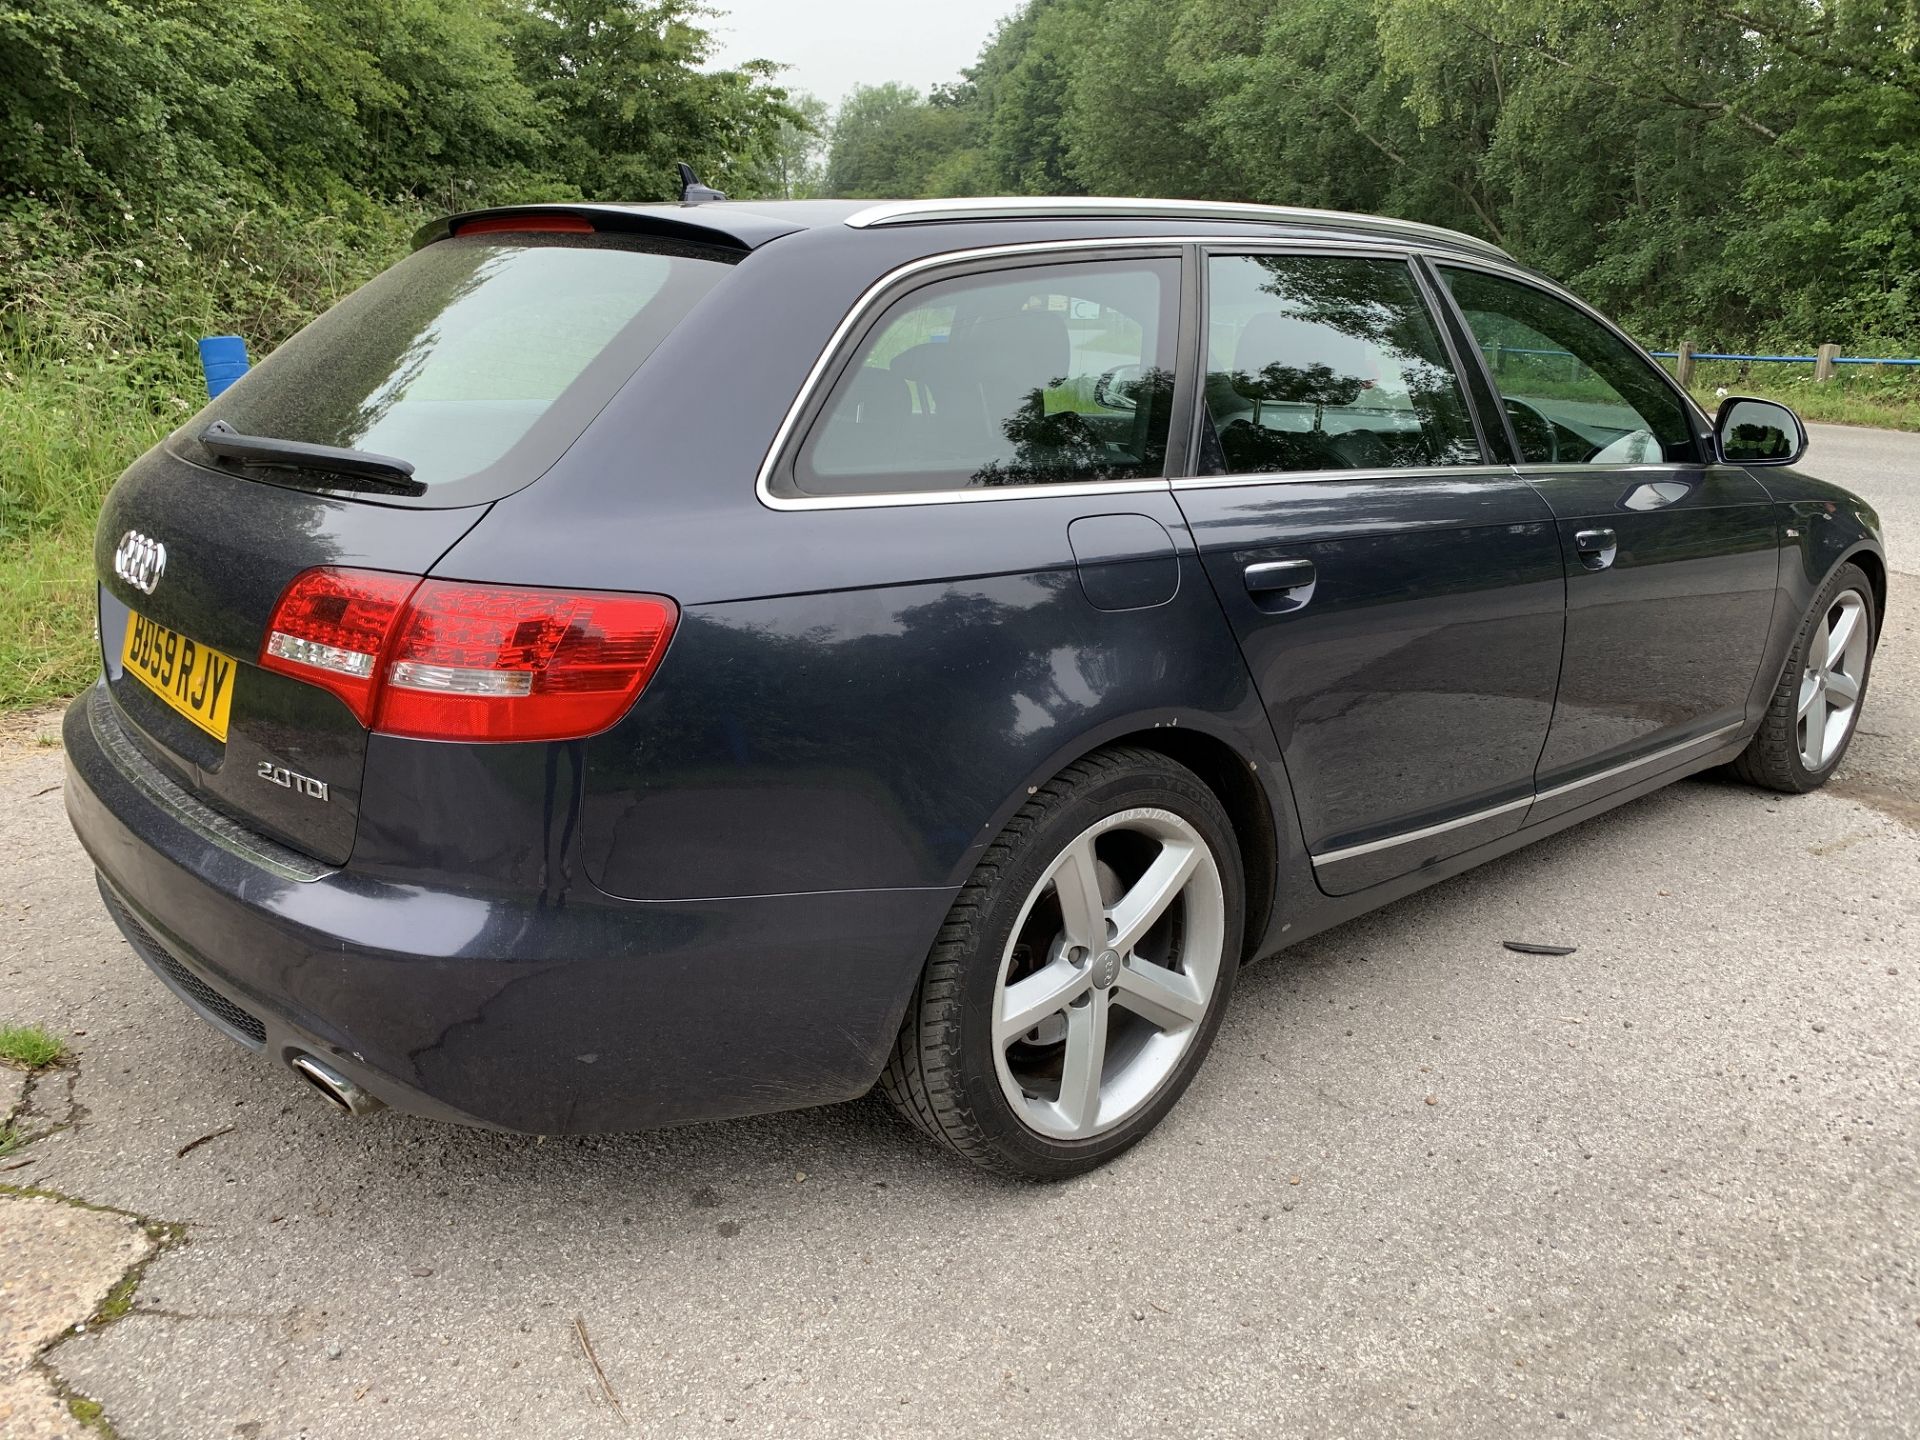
(1786, 359)
(1716, 355)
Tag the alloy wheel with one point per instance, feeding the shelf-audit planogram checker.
(1837, 654)
(1109, 973)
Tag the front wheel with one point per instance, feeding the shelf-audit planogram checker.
(1081, 974)
(1811, 719)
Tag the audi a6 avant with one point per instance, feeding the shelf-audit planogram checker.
(630, 665)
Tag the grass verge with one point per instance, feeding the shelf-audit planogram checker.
(47, 645)
(1887, 397)
(72, 430)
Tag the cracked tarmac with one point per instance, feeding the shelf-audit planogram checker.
(1669, 1184)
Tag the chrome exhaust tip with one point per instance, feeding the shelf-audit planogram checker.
(341, 1091)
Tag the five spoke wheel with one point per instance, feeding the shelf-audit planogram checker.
(1109, 973)
(1830, 685)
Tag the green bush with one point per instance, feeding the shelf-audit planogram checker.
(98, 361)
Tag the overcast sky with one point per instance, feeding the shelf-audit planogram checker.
(833, 45)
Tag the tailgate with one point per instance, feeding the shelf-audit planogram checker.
(291, 760)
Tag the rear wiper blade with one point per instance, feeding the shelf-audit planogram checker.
(360, 468)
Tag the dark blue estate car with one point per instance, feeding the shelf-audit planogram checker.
(639, 664)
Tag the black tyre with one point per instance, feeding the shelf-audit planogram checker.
(1079, 979)
(1816, 706)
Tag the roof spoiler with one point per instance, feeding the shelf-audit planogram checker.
(618, 220)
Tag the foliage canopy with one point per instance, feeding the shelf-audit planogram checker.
(1732, 171)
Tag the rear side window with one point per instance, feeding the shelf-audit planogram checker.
(1327, 363)
(479, 360)
(1045, 374)
(1575, 393)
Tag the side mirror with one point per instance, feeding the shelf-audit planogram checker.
(1758, 432)
(1117, 388)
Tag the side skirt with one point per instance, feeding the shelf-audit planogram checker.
(1322, 913)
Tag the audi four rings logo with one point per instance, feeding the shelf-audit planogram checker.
(140, 561)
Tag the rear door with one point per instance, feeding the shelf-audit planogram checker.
(1397, 591)
(1671, 560)
(477, 361)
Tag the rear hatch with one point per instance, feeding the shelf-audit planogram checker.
(471, 366)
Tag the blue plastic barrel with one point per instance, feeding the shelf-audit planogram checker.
(223, 359)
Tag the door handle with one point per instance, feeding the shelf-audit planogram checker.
(1596, 548)
(1279, 587)
(1270, 576)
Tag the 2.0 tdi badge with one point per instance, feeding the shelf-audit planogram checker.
(292, 780)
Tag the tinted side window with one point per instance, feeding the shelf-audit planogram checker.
(1047, 374)
(1576, 393)
(1323, 363)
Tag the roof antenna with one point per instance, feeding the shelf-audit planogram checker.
(692, 192)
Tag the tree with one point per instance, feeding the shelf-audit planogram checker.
(398, 98)
(797, 165)
(119, 108)
(1021, 83)
(1131, 113)
(622, 82)
(888, 141)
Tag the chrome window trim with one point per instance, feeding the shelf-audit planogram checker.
(1667, 752)
(888, 284)
(882, 289)
(1612, 467)
(1302, 477)
(961, 497)
(1100, 207)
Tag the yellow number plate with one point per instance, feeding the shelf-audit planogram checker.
(196, 680)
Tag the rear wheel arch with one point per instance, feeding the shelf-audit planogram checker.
(1224, 768)
(1249, 782)
(1233, 781)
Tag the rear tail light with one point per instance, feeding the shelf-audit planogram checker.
(449, 660)
(330, 627)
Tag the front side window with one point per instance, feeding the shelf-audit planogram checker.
(1576, 393)
(1046, 374)
(1327, 363)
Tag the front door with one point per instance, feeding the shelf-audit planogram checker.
(1671, 560)
(1398, 597)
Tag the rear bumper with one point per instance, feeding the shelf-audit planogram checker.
(533, 1014)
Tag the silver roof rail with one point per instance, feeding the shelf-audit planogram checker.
(1038, 207)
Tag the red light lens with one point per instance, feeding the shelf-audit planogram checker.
(495, 662)
(448, 660)
(527, 225)
(330, 627)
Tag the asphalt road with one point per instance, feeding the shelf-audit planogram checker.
(1667, 1185)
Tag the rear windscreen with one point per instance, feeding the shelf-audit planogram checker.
(478, 360)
